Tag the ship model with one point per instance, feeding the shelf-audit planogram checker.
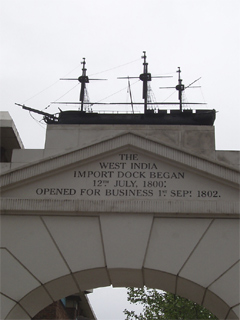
(150, 116)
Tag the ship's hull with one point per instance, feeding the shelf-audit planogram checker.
(162, 117)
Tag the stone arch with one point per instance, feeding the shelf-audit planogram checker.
(56, 289)
(122, 250)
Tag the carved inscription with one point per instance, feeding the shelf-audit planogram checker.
(130, 175)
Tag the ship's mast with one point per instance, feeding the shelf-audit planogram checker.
(145, 77)
(83, 79)
(180, 88)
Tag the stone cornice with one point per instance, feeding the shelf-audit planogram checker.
(80, 207)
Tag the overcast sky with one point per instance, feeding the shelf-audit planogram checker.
(45, 40)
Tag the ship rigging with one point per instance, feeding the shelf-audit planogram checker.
(149, 116)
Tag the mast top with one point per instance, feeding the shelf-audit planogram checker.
(145, 77)
(180, 88)
(83, 77)
(145, 64)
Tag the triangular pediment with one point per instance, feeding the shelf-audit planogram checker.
(127, 167)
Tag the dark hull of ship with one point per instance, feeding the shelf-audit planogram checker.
(162, 117)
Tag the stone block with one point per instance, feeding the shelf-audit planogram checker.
(17, 313)
(27, 155)
(61, 137)
(36, 300)
(67, 230)
(122, 244)
(126, 277)
(159, 280)
(93, 278)
(62, 287)
(190, 290)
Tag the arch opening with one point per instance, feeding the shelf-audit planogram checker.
(81, 281)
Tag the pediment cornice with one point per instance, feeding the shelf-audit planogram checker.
(53, 164)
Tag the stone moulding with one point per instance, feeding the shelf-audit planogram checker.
(81, 207)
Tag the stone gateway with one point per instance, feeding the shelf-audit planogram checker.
(106, 204)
